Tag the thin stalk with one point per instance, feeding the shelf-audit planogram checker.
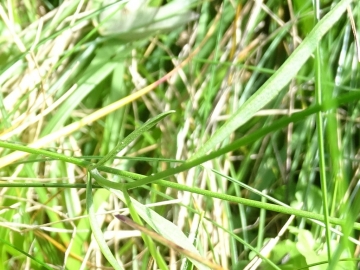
(321, 134)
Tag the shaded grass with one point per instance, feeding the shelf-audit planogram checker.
(219, 92)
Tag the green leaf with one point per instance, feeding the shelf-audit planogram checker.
(136, 20)
(131, 137)
(96, 230)
(271, 88)
(162, 226)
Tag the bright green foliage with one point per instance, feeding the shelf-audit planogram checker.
(230, 128)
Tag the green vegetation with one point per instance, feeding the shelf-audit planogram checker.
(179, 135)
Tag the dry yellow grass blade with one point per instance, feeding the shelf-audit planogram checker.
(168, 243)
(69, 129)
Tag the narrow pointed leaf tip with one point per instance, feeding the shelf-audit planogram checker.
(131, 137)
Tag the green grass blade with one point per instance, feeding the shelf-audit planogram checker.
(321, 144)
(4, 242)
(277, 82)
(104, 182)
(281, 123)
(157, 222)
(234, 199)
(148, 241)
(131, 137)
(97, 230)
(162, 226)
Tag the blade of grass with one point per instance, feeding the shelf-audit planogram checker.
(8, 159)
(276, 82)
(4, 242)
(283, 122)
(157, 222)
(148, 241)
(234, 199)
(96, 229)
(166, 242)
(131, 137)
(319, 69)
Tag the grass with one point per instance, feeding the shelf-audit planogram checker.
(203, 135)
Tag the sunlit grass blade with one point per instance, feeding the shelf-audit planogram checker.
(277, 82)
(96, 230)
(162, 226)
(223, 174)
(131, 137)
(158, 223)
(276, 208)
(157, 256)
(281, 123)
(168, 243)
(4, 242)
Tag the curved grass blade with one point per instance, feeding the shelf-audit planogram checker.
(104, 182)
(132, 136)
(96, 230)
(44, 265)
(149, 243)
(270, 89)
(161, 225)
(154, 251)
(264, 95)
(168, 243)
